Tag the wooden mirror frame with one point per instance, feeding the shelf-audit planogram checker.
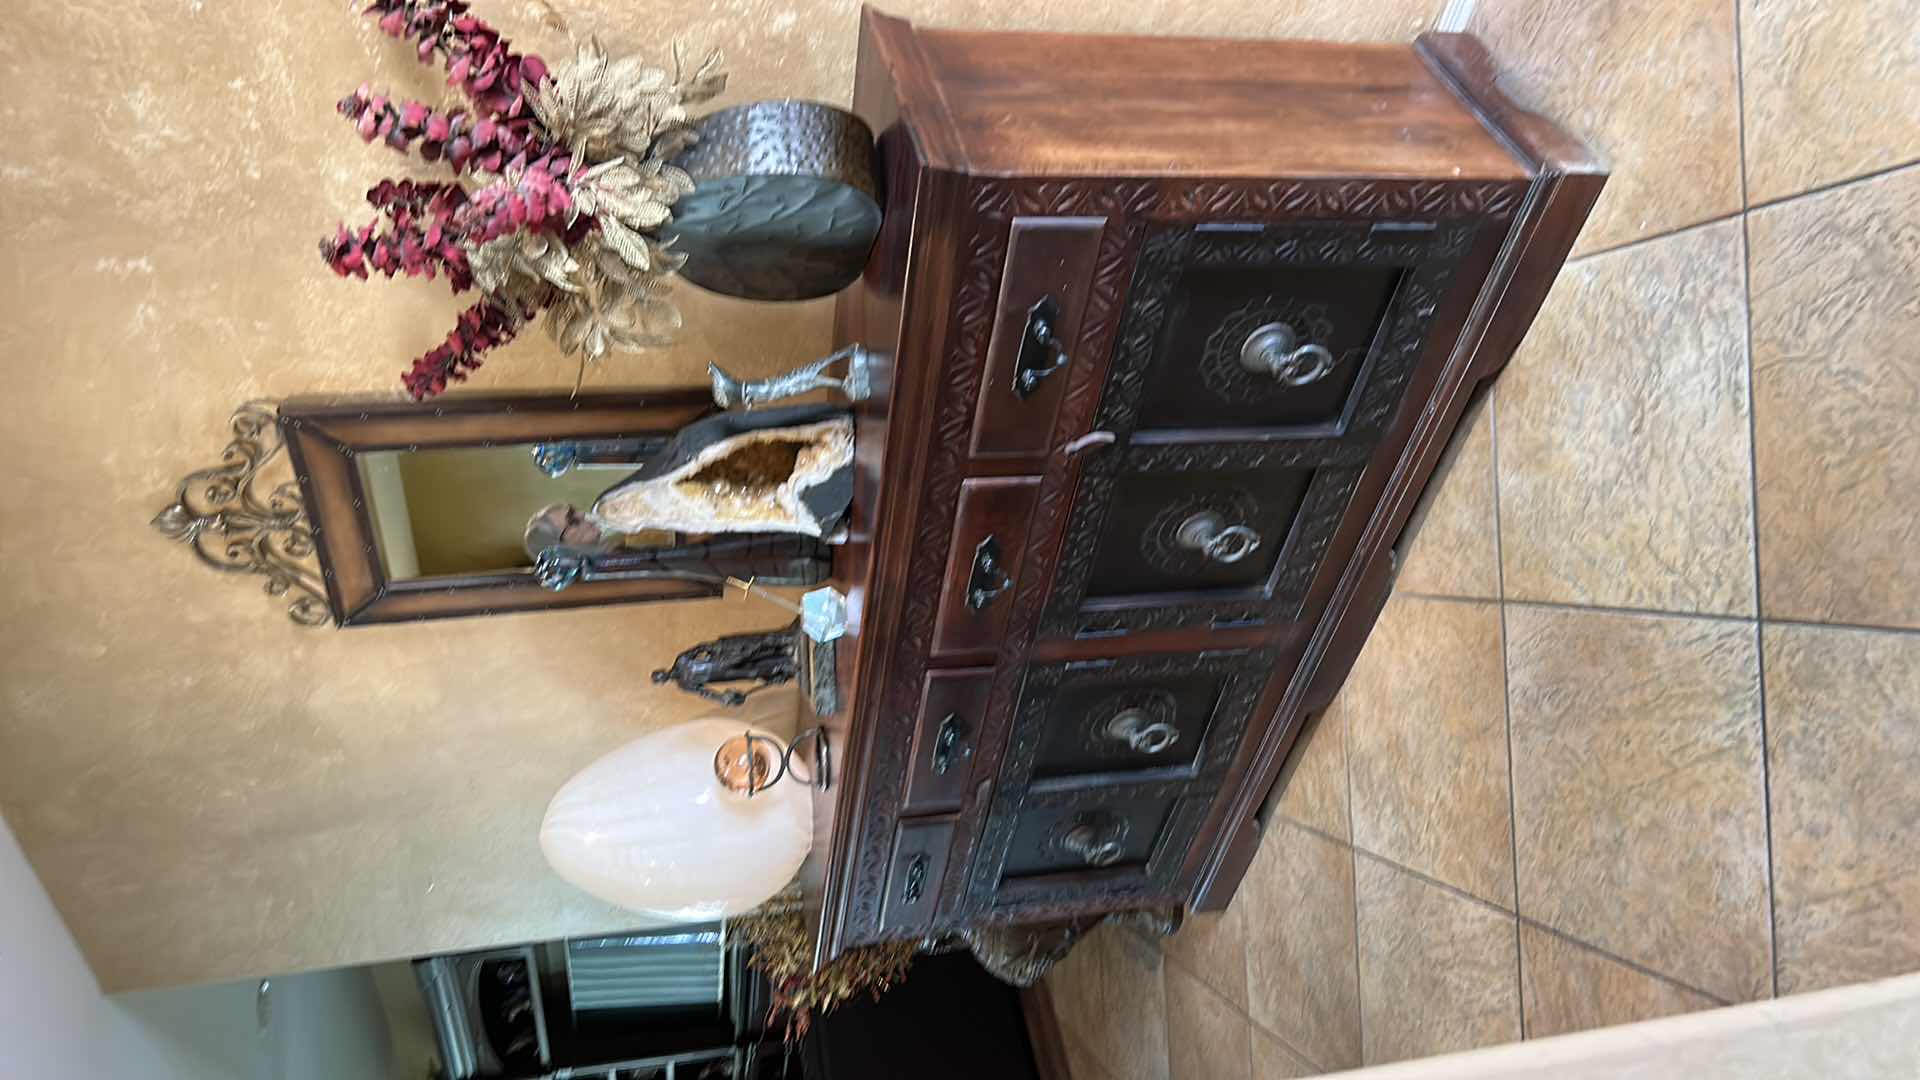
(324, 434)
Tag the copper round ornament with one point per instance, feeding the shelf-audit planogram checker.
(786, 203)
(748, 764)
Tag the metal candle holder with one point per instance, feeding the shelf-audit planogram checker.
(760, 777)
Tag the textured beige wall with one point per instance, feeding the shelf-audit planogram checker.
(206, 791)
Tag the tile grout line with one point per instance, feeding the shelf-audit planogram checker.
(1759, 624)
(1740, 103)
(1522, 920)
(1753, 476)
(1253, 1025)
(1568, 605)
(1506, 705)
(1290, 1048)
(1857, 628)
(1353, 872)
(1764, 204)
(1626, 245)
(1833, 185)
(1656, 613)
(1436, 882)
(1244, 1014)
(1632, 965)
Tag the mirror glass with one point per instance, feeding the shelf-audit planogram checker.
(459, 511)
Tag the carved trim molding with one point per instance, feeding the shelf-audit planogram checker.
(1243, 199)
(985, 253)
(1113, 271)
(230, 525)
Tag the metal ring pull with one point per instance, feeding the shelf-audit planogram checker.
(1276, 350)
(1208, 533)
(1086, 841)
(1141, 732)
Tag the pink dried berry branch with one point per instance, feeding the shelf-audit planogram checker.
(419, 239)
(392, 250)
(478, 59)
(482, 327)
(526, 198)
(463, 139)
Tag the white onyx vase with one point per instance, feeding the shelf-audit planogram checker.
(650, 828)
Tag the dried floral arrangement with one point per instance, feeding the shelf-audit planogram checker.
(571, 183)
(782, 950)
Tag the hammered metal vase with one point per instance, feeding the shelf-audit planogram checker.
(786, 204)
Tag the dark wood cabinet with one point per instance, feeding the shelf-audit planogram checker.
(1170, 334)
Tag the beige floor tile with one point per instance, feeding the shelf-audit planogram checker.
(1622, 425)
(1650, 84)
(1301, 979)
(1077, 985)
(1836, 376)
(1566, 987)
(1275, 1060)
(1136, 1008)
(1833, 90)
(1427, 739)
(1313, 786)
(1213, 948)
(1450, 549)
(1437, 971)
(1639, 815)
(1208, 1038)
(1083, 1063)
(1843, 727)
(1110, 996)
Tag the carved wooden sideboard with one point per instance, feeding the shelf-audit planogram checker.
(1169, 336)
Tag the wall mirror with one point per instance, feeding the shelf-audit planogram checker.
(468, 506)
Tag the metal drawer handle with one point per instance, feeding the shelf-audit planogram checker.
(916, 880)
(1041, 353)
(947, 745)
(1208, 533)
(987, 580)
(1276, 350)
(1095, 849)
(1141, 732)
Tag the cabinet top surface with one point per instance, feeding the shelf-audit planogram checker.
(1042, 104)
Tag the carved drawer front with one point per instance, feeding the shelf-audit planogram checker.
(1173, 716)
(1108, 772)
(1165, 537)
(1302, 331)
(1114, 834)
(1043, 294)
(913, 885)
(989, 540)
(953, 708)
(1121, 845)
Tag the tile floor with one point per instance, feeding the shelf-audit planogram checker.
(1637, 734)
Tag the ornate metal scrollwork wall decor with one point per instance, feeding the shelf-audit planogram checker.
(221, 514)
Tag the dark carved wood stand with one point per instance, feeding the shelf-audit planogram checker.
(1167, 336)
